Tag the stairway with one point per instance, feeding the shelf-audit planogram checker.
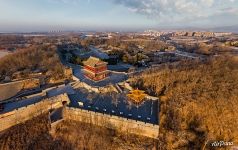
(76, 85)
(118, 88)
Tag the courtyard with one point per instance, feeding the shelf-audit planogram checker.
(115, 104)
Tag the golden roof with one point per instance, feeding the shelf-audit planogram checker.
(137, 95)
(93, 62)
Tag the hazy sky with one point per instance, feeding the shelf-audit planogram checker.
(45, 15)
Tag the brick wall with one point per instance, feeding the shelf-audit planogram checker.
(22, 114)
(112, 122)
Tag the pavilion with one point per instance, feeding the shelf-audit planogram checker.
(137, 96)
(95, 69)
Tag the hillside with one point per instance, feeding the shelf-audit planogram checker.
(198, 106)
(27, 61)
(198, 102)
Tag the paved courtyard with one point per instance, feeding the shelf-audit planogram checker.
(112, 79)
(108, 103)
(115, 104)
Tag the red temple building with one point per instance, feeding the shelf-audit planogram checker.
(95, 69)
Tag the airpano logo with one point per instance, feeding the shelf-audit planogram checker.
(234, 148)
(221, 144)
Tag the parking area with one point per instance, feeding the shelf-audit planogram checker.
(116, 104)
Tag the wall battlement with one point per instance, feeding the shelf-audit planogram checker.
(120, 124)
(23, 114)
(113, 122)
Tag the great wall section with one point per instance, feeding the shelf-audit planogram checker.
(109, 121)
(112, 122)
(23, 114)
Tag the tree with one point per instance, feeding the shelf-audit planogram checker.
(198, 101)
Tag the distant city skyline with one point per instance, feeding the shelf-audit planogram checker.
(115, 15)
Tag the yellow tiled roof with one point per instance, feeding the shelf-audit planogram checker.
(93, 61)
(137, 95)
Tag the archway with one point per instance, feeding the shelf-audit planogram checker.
(64, 103)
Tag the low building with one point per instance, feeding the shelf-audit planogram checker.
(95, 69)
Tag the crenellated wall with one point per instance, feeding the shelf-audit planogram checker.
(22, 114)
(120, 124)
(113, 122)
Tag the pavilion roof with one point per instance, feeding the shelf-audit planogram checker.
(137, 95)
(93, 62)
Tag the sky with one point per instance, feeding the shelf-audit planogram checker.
(108, 15)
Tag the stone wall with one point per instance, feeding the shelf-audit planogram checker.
(120, 124)
(22, 114)
(96, 89)
(10, 89)
(112, 122)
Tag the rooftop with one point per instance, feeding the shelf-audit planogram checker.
(112, 79)
(93, 61)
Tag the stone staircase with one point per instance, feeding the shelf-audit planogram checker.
(118, 88)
